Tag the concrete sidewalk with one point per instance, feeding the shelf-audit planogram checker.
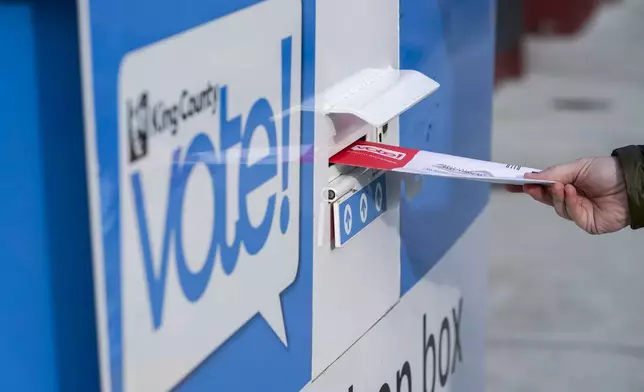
(566, 310)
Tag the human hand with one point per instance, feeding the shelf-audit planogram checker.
(589, 191)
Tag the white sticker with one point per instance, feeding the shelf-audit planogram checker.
(209, 188)
(417, 346)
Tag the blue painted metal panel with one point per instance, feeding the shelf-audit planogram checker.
(452, 42)
(49, 341)
(47, 338)
(27, 347)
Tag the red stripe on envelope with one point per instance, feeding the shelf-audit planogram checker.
(374, 156)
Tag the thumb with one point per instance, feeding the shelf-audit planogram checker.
(565, 173)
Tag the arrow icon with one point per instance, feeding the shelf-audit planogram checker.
(363, 207)
(347, 219)
(378, 197)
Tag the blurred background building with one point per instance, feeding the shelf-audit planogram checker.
(565, 308)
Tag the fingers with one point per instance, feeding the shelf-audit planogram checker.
(514, 188)
(559, 200)
(553, 196)
(539, 193)
(565, 199)
(564, 173)
(573, 204)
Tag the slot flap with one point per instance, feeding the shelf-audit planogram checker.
(378, 95)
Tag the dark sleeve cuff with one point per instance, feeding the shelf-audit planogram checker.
(631, 159)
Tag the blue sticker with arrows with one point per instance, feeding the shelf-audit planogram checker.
(355, 211)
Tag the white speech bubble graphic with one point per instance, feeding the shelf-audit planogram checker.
(210, 173)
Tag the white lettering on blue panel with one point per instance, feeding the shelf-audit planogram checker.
(355, 211)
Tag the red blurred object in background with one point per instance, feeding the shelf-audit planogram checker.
(537, 17)
(509, 64)
(559, 17)
(509, 40)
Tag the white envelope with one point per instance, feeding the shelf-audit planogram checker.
(385, 157)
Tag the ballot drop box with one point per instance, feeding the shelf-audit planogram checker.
(227, 252)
